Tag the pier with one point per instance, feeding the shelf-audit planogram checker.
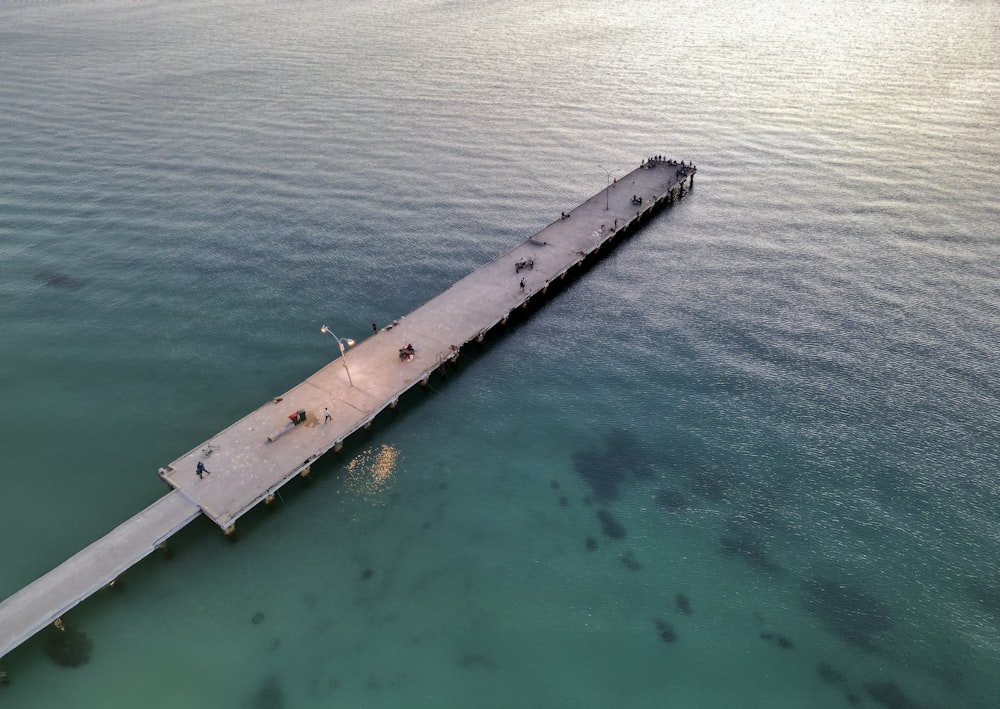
(248, 462)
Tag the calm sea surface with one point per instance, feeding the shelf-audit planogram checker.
(748, 460)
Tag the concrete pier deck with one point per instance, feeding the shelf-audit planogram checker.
(244, 467)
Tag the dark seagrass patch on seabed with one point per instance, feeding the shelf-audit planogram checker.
(607, 471)
(829, 674)
(739, 542)
(889, 695)
(835, 678)
(987, 595)
(625, 447)
(600, 472)
(475, 660)
(848, 612)
(612, 528)
(321, 687)
(713, 483)
(759, 509)
(670, 500)
(631, 563)
(777, 640)
(665, 630)
(268, 695)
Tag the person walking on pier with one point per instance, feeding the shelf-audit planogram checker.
(522, 285)
(326, 415)
(201, 471)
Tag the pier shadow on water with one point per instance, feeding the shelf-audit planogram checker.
(68, 648)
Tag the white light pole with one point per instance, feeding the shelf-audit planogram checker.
(343, 351)
(607, 190)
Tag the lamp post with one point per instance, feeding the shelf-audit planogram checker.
(607, 190)
(343, 351)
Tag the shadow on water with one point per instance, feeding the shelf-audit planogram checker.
(69, 647)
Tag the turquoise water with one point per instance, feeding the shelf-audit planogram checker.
(783, 392)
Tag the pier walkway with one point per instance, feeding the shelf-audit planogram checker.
(87, 572)
(250, 460)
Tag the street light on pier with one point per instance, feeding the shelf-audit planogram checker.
(343, 351)
(607, 190)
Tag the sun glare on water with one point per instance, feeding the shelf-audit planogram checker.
(370, 472)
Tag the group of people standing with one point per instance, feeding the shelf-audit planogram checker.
(524, 263)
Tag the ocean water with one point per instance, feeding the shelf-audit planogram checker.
(749, 459)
